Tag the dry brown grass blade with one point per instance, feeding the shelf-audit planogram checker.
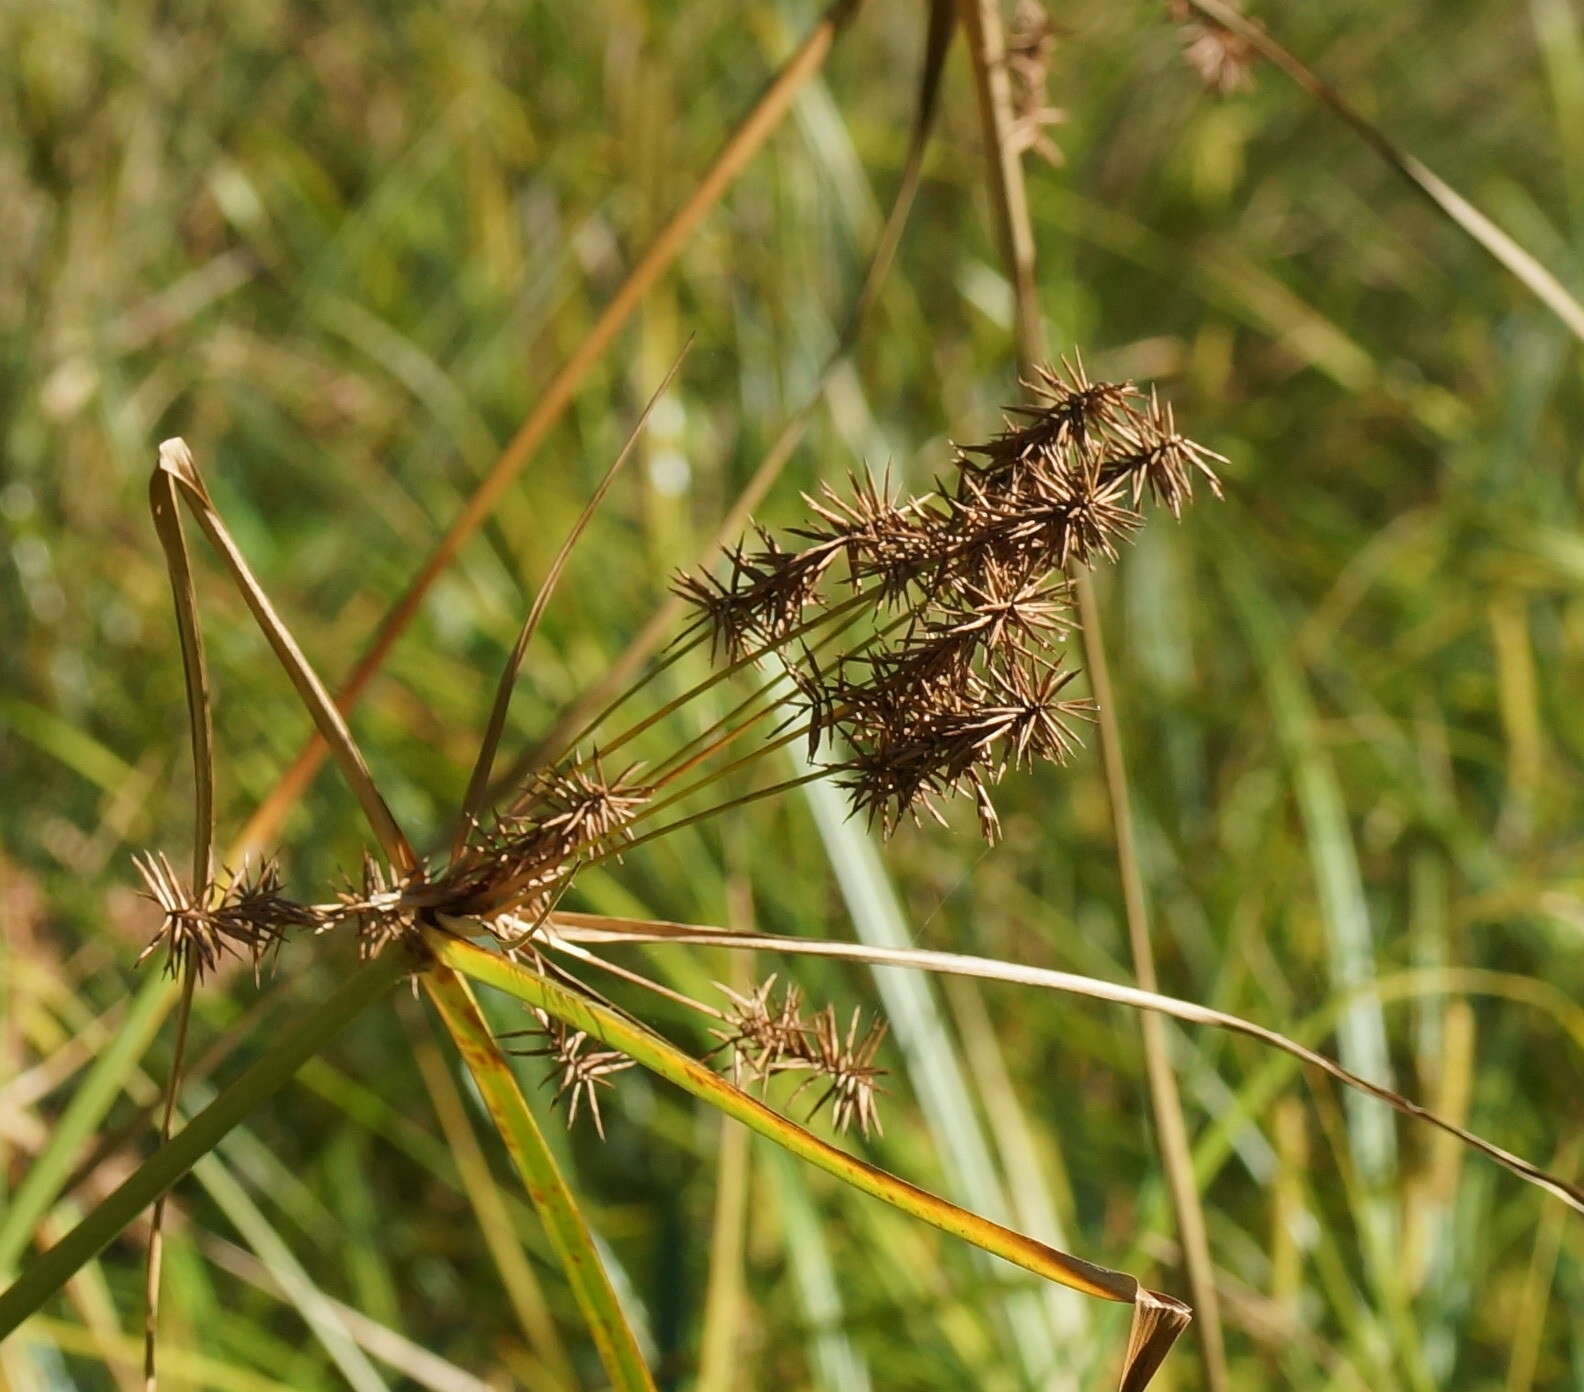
(663, 622)
(987, 42)
(1542, 284)
(1157, 1322)
(195, 669)
(176, 460)
(754, 129)
(601, 928)
(200, 717)
(478, 781)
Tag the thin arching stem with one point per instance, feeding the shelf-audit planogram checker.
(478, 781)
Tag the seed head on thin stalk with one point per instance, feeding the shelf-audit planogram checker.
(978, 570)
(1223, 60)
(522, 861)
(846, 1064)
(920, 643)
(1157, 457)
(1066, 409)
(761, 1032)
(763, 597)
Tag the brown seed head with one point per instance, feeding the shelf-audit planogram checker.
(251, 916)
(578, 1069)
(378, 907)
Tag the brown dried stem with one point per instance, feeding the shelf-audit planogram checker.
(983, 21)
(750, 134)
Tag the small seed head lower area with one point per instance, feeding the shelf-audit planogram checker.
(202, 927)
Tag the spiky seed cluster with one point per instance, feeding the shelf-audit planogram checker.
(201, 928)
(578, 1069)
(973, 682)
(523, 862)
(377, 907)
(958, 679)
(763, 597)
(846, 1063)
(767, 1036)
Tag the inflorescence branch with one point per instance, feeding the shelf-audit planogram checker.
(937, 666)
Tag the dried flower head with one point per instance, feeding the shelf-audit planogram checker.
(579, 1069)
(379, 908)
(201, 928)
(584, 805)
(1030, 46)
(1067, 409)
(881, 539)
(761, 1032)
(767, 1037)
(763, 597)
(524, 860)
(846, 1064)
(1157, 457)
(1224, 60)
(940, 698)
(1007, 612)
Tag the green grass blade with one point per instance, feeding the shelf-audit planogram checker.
(688, 1073)
(838, 1364)
(81, 1119)
(594, 928)
(928, 1047)
(1339, 883)
(726, 1297)
(202, 1371)
(298, 1287)
(516, 1273)
(563, 1220)
(46, 1275)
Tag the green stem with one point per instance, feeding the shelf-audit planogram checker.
(664, 1058)
(552, 1198)
(46, 1275)
(87, 1109)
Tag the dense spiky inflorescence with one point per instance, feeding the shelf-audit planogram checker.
(767, 1036)
(202, 927)
(923, 639)
(523, 861)
(376, 906)
(970, 680)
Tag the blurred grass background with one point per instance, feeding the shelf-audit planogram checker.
(340, 249)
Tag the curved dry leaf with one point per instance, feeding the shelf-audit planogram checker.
(176, 460)
(1158, 1318)
(598, 928)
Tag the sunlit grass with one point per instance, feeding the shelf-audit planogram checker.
(343, 256)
